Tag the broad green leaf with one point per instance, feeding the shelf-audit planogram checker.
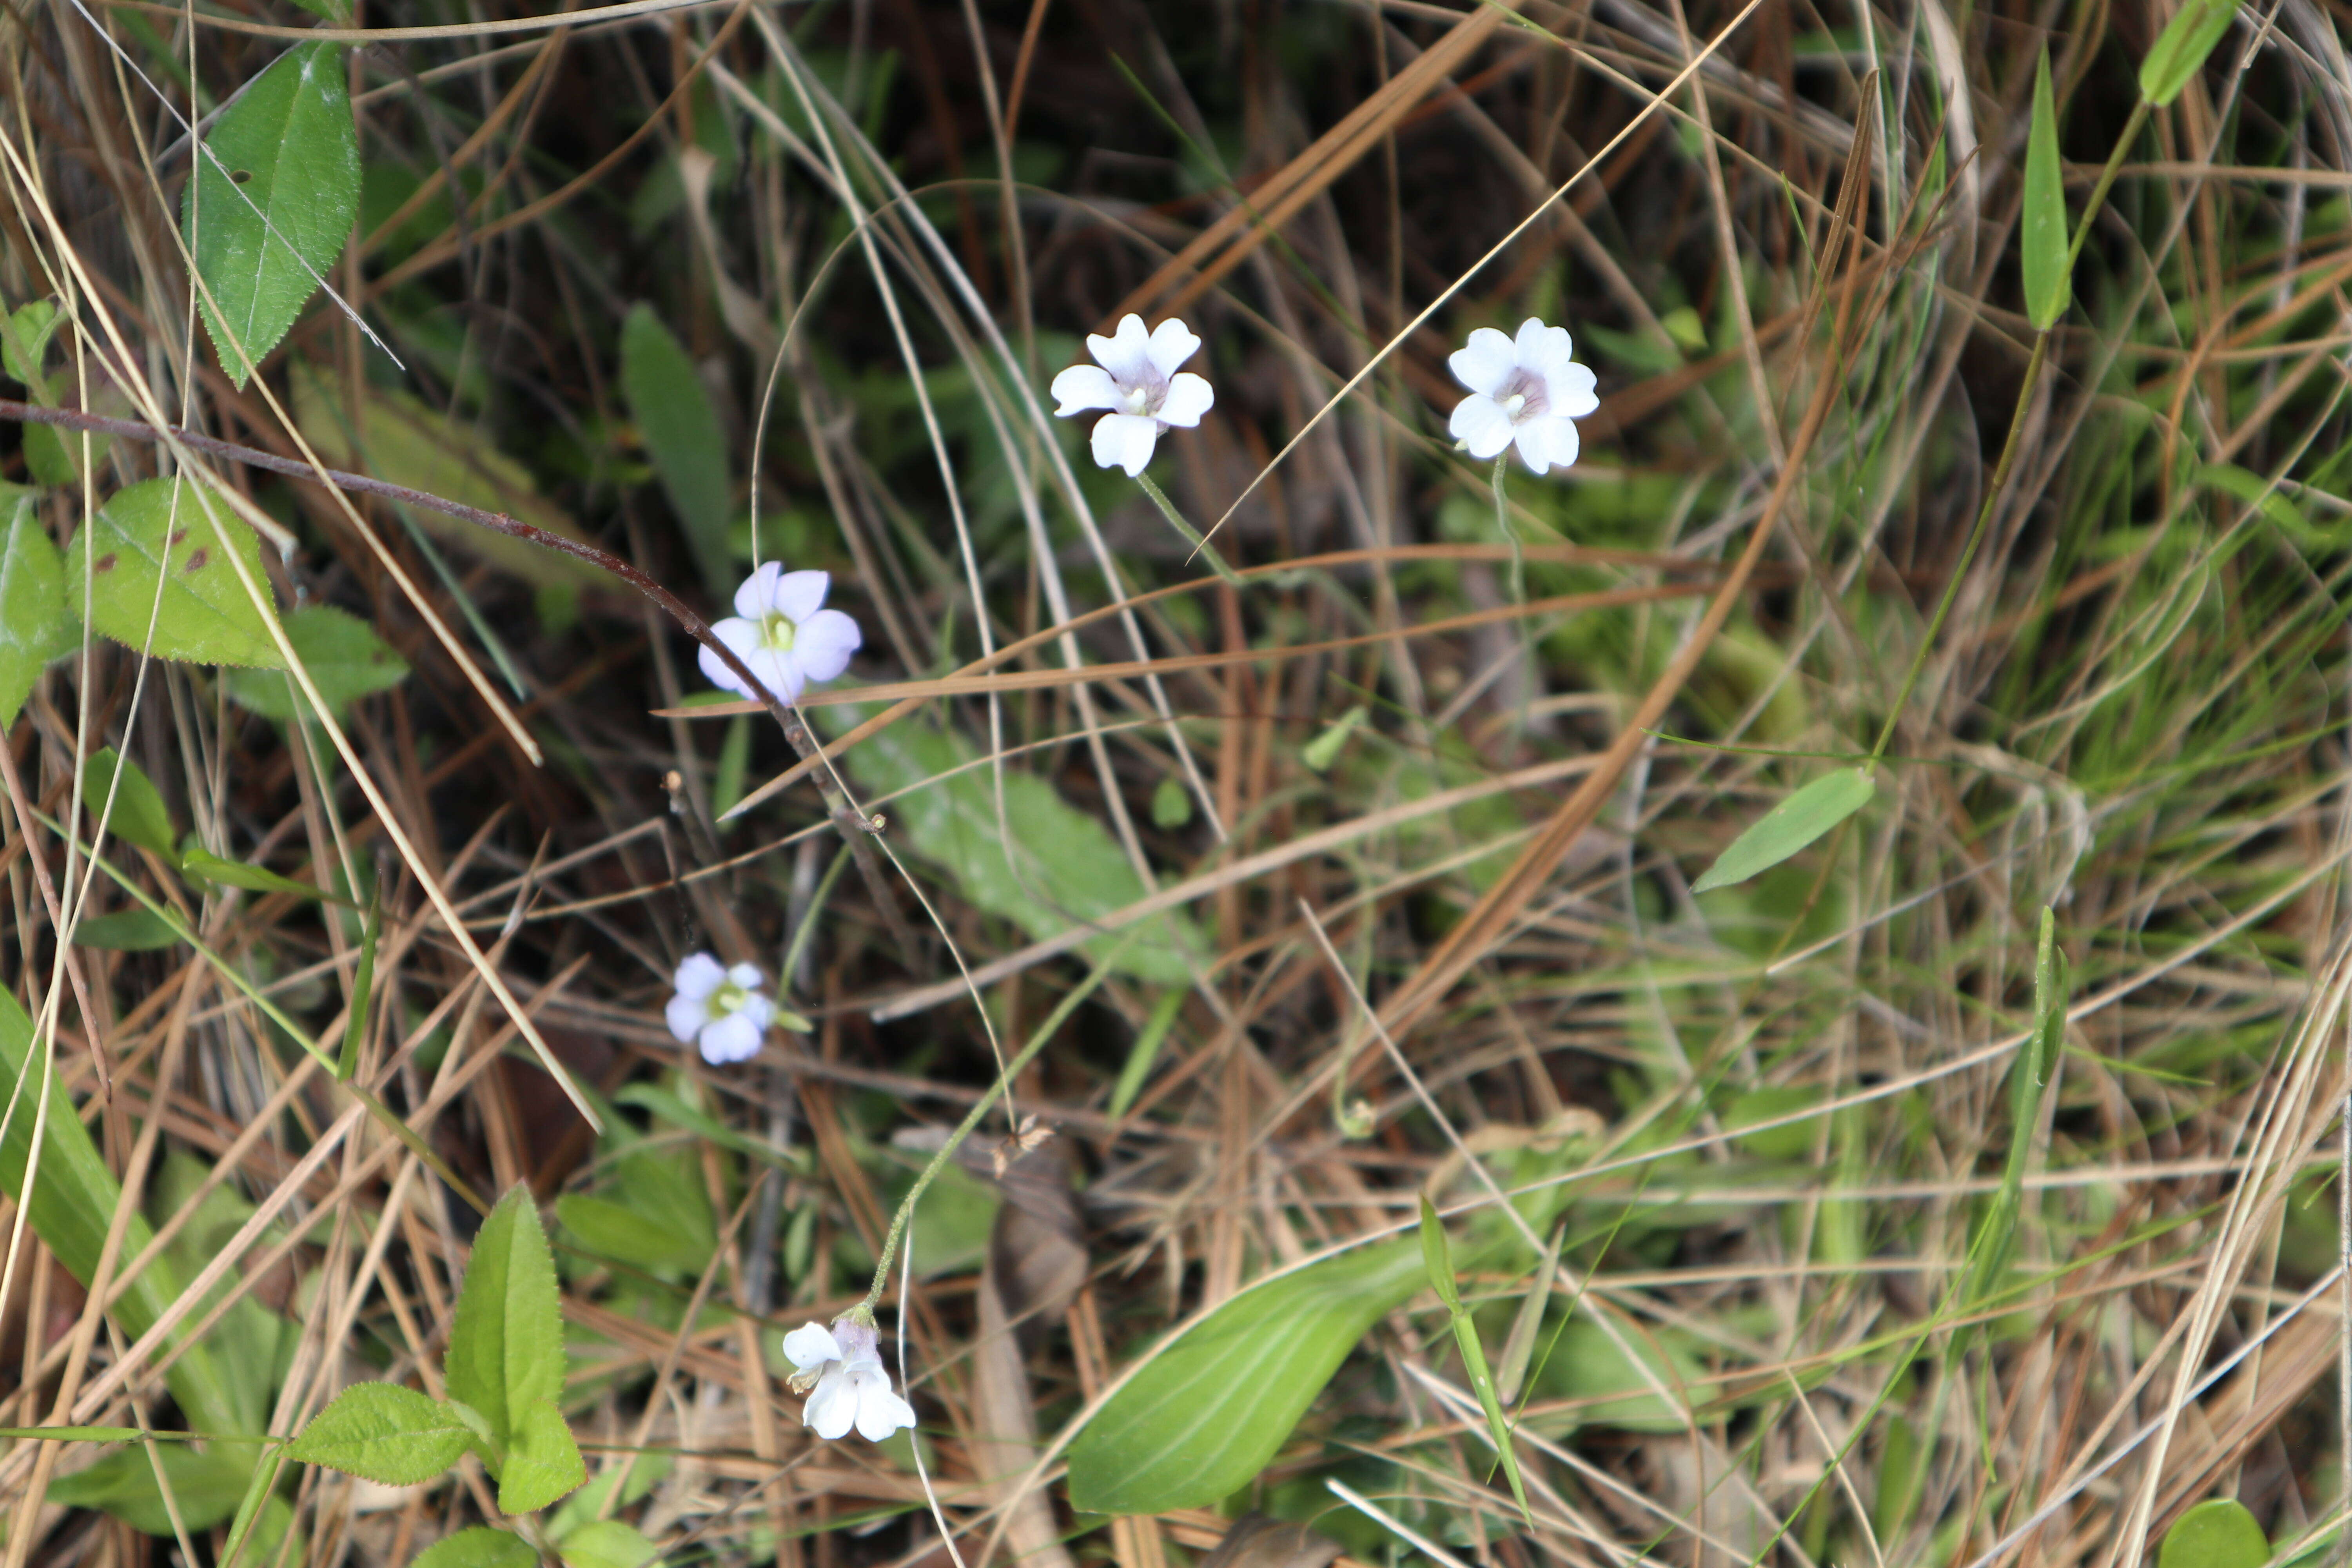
(2043, 240)
(1058, 867)
(397, 438)
(1790, 826)
(2217, 1533)
(1207, 1416)
(125, 931)
(543, 1462)
(612, 1230)
(140, 816)
(479, 1547)
(25, 342)
(1585, 1366)
(254, 1345)
(72, 1205)
(52, 454)
(35, 624)
(385, 1433)
(272, 201)
(204, 616)
(206, 1486)
(345, 658)
(682, 435)
(2180, 49)
(1790, 1140)
(506, 1347)
(208, 866)
(606, 1543)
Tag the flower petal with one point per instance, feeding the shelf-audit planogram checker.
(800, 594)
(1484, 362)
(1569, 391)
(1480, 423)
(811, 1346)
(1189, 397)
(1563, 443)
(756, 597)
(743, 637)
(698, 976)
(832, 1406)
(1542, 349)
(1171, 344)
(823, 644)
(686, 1016)
(1085, 386)
(734, 1038)
(747, 976)
(1125, 440)
(761, 1011)
(1125, 353)
(880, 1411)
(1547, 443)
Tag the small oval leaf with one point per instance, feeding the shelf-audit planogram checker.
(2180, 49)
(346, 660)
(2218, 1534)
(606, 1543)
(479, 1547)
(125, 931)
(36, 626)
(203, 615)
(1790, 826)
(681, 431)
(139, 816)
(2042, 239)
(383, 1432)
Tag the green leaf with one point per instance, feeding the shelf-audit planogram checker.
(206, 1486)
(622, 1234)
(1997, 1233)
(35, 625)
(25, 342)
(1146, 1050)
(272, 201)
(202, 863)
(1321, 752)
(204, 616)
(2217, 1533)
(542, 1461)
(2042, 239)
(126, 931)
(139, 817)
(77, 1433)
(383, 1432)
(1436, 1256)
(1056, 868)
(50, 453)
(1790, 826)
(635, 1481)
(1790, 1140)
(682, 435)
(1207, 1416)
(606, 1543)
(479, 1547)
(1585, 1366)
(347, 1061)
(339, 12)
(345, 658)
(506, 1346)
(255, 1345)
(2180, 49)
(1171, 803)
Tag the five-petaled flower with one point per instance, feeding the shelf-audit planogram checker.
(851, 1387)
(1530, 392)
(782, 633)
(1135, 377)
(719, 1010)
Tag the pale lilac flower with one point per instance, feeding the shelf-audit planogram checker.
(781, 630)
(1136, 378)
(719, 1010)
(851, 1388)
(1528, 392)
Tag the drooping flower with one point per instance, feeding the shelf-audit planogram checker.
(782, 630)
(1529, 391)
(721, 1011)
(843, 1365)
(1135, 377)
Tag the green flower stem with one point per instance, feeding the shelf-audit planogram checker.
(1191, 536)
(864, 1311)
(1510, 535)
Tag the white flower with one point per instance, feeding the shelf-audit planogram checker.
(1528, 392)
(780, 630)
(851, 1388)
(1136, 378)
(721, 1010)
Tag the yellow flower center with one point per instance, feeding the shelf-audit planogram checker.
(776, 630)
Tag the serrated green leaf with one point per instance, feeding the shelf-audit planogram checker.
(346, 660)
(612, 1230)
(682, 435)
(1790, 826)
(272, 201)
(479, 1547)
(2042, 239)
(2217, 1533)
(2180, 49)
(206, 1486)
(125, 931)
(139, 817)
(506, 1346)
(204, 616)
(1058, 867)
(383, 1432)
(606, 1543)
(35, 624)
(542, 1461)
(1204, 1418)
